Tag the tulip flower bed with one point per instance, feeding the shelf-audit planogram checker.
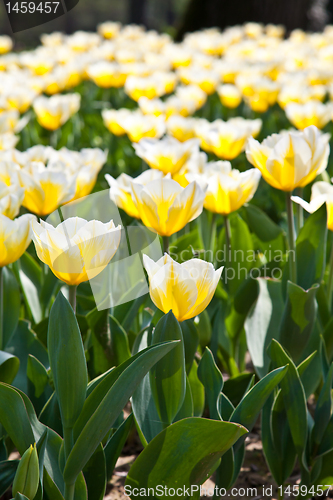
(166, 218)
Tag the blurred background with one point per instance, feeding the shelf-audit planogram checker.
(177, 17)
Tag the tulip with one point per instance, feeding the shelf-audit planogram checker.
(107, 74)
(20, 98)
(165, 206)
(226, 139)
(154, 107)
(45, 188)
(229, 95)
(290, 159)
(311, 113)
(109, 29)
(192, 93)
(150, 87)
(227, 189)
(6, 44)
(181, 128)
(114, 120)
(54, 111)
(11, 198)
(76, 250)
(321, 192)
(121, 191)
(14, 237)
(8, 141)
(185, 288)
(167, 154)
(207, 80)
(139, 126)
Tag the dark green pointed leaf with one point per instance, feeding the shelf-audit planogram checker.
(298, 319)
(116, 443)
(22, 343)
(191, 342)
(9, 366)
(293, 398)
(323, 411)
(67, 360)
(247, 412)
(95, 475)
(168, 376)
(197, 391)
(212, 380)
(143, 405)
(37, 374)
(182, 455)
(311, 249)
(261, 224)
(7, 474)
(119, 342)
(111, 404)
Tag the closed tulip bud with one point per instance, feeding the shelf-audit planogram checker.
(165, 206)
(45, 188)
(15, 237)
(54, 111)
(76, 250)
(167, 154)
(121, 189)
(290, 159)
(26, 479)
(186, 289)
(11, 198)
(227, 189)
(311, 113)
(321, 192)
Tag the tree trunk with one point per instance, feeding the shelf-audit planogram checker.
(223, 13)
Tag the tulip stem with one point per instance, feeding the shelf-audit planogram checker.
(330, 281)
(299, 213)
(291, 239)
(166, 244)
(227, 236)
(213, 237)
(1, 308)
(72, 296)
(69, 491)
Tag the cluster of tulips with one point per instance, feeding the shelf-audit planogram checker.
(156, 124)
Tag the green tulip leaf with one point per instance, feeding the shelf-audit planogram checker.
(184, 454)
(212, 380)
(261, 224)
(294, 399)
(114, 446)
(168, 376)
(298, 319)
(67, 360)
(104, 404)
